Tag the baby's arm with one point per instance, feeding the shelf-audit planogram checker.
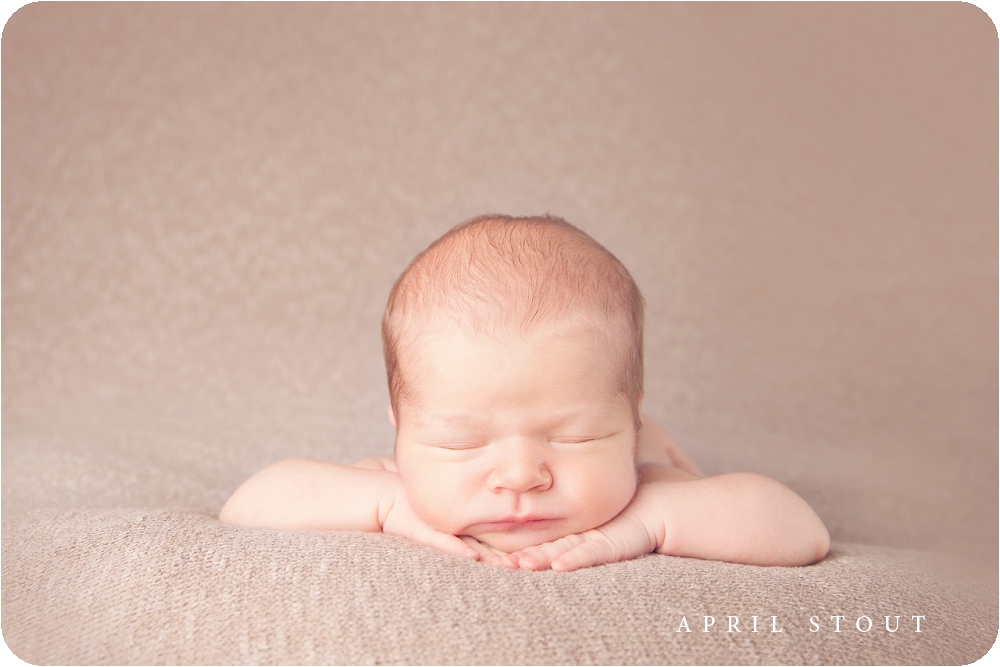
(739, 518)
(299, 494)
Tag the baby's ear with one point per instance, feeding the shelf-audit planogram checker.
(392, 416)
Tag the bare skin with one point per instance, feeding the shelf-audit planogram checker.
(534, 469)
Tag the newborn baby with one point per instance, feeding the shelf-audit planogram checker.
(513, 349)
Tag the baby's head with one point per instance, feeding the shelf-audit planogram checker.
(513, 350)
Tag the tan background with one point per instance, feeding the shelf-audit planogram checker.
(204, 207)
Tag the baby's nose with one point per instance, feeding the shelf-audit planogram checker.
(519, 468)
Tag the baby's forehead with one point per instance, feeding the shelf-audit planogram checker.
(466, 369)
(425, 341)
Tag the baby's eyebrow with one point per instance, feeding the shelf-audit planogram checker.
(449, 418)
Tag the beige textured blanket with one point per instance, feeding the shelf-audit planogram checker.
(204, 207)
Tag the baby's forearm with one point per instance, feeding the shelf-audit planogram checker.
(739, 518)
(299, 494)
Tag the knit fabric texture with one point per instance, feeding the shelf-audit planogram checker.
(206, 205)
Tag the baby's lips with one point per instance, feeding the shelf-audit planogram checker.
(527, 522)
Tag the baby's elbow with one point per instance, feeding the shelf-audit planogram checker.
(807, 529)
(234, 511)
(818, 536)
(813, 542)
(800, 549)
(250, 502)
(227, 514)
(239, 510)
(821, 544)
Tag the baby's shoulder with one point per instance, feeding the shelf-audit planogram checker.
(377, 463)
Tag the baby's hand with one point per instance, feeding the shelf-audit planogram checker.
(632, 533)
(486, 553)
(398, 518)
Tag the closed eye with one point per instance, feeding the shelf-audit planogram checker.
(576, 440)
(459, 446)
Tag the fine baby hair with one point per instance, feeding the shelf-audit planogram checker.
(500, 275)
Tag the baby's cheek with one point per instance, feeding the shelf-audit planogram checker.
(617, 494)
(433, 501)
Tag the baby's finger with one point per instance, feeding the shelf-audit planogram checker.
(588, 554)
(486, 555)
(447, 543)
(542, 556)
(512, 561)
(515, 559)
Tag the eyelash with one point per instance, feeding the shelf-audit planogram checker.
(462, 446)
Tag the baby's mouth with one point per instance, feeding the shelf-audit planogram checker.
(516, 524)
